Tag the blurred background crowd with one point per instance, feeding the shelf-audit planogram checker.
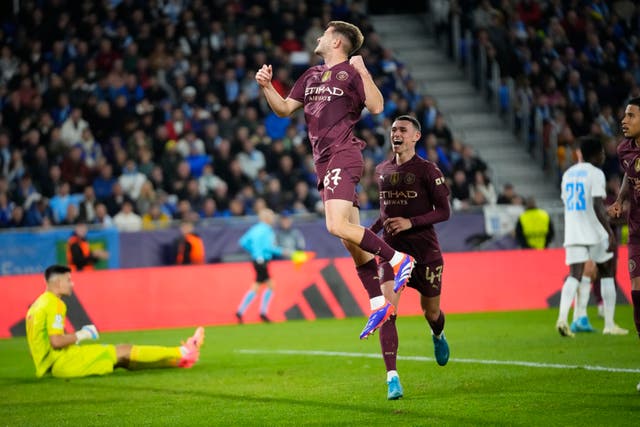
(132, 113)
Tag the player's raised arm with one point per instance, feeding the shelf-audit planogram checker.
(373, 97)
(281, 106)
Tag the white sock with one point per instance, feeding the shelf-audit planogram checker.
(608, 290)
(396, 258)
(582, 299)
(566, 297)
(376, 302)
(391, 374)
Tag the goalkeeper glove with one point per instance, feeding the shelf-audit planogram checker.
(87, 332)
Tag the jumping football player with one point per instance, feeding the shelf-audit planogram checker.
(333, 96)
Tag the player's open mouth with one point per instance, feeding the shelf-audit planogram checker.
(397, 142)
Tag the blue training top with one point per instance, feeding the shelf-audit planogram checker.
(260, 242)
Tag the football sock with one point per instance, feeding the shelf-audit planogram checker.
(389, 343)
(266, 299)
(582, 298)
(635, 297)
(246, 300)
(596, 291)
(154, 356)
(391, 375)
(375, 245)
(438, 325)
(368, 274)
(608, 289)
(566, 297)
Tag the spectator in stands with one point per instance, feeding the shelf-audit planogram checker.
(442, 132)
(74, 170)
(102, 217)
(154, 218)
(470, 163)
(5, 152)
(441, 155)
(17, 167)
(71, 131)
(250, 159)
(17, 218)
(508, 195)
(287, 236)
(192, 194)
(209, 210)
(427, 112)
(117, 198)
(86, 208)
(190, 145)
(304, 200)
(103, 183)
(91, 151)
(534, 229)
(131, 179)
(73, 215)
(209, 181)
(61, 201)
(24, 191)
(6, 209)
(482, 190)
(460, 191)
(146, 198)
(127, 219)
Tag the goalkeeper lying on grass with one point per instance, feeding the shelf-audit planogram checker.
(57, 352)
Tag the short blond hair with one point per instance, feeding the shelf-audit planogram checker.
(352, 34)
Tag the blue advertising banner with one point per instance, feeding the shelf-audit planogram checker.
(24, 252)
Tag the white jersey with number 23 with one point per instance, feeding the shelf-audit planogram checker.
(580, 184)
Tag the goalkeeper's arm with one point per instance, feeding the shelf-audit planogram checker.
(87, 332)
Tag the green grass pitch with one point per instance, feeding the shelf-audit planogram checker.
(320, 373)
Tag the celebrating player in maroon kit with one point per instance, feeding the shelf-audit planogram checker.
(333, 96)
(413, 197)
(629, 155)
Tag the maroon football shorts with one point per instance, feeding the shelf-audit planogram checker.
(339, 176)
(634, 260)
(425, 278)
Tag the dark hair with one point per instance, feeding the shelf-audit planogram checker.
(590, 147)
(351, 32)
(634, 101)
(54, 270)
(413, 120)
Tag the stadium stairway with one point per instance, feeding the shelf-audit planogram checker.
(466, 112)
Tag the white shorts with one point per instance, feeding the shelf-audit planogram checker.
(577, 254)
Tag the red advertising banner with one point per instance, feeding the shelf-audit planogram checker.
(168, 297)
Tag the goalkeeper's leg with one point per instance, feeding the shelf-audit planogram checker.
(152, 356)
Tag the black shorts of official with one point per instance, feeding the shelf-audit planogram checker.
(262, 271)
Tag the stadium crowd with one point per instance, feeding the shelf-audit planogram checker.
(576, 63)
(134, 113)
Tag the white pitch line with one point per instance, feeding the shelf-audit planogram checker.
(430, 359)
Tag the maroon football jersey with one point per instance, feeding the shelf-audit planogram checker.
(411, 190)
(333, 100)
(629, 155)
